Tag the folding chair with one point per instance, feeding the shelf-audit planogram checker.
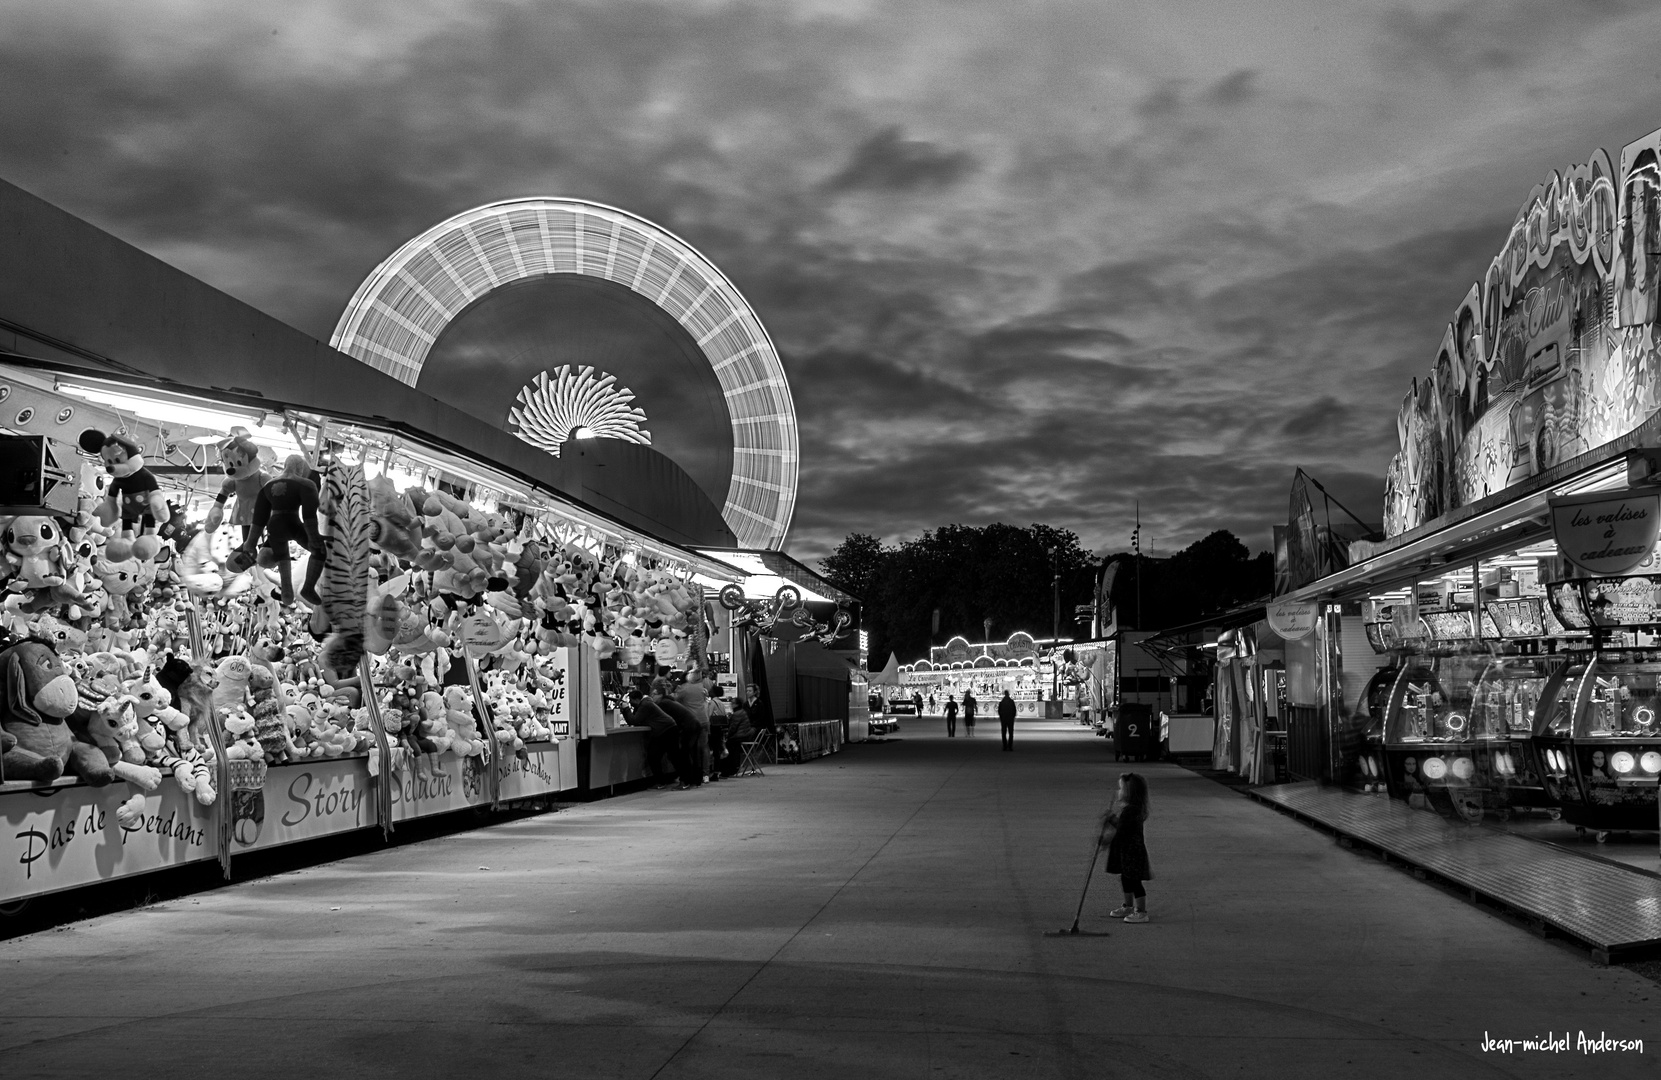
(754, 751)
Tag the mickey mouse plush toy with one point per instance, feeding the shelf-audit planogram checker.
(133, 497)
(239, 457)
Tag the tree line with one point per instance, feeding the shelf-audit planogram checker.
(986, 582)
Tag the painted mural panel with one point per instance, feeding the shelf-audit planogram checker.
(1551, 355)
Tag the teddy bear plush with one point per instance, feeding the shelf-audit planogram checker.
(241, 745)
(465, 737)
(433, 733)
(302, 733)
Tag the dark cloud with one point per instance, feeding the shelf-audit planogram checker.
(1324, 416)
(1106, 279)
(888, 161)
(1236, 88)
(1474, 37)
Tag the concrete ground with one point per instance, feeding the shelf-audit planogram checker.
(878, 913)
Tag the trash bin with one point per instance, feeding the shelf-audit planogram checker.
(1135, 734)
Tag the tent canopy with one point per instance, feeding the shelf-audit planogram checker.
(888, 676)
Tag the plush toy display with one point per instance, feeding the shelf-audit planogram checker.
(435, 607)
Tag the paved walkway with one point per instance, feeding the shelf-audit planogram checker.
(879, 913)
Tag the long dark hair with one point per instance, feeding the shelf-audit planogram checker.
(1136, 796)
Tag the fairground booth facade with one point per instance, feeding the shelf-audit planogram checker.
(1492, 665)
(259, 589)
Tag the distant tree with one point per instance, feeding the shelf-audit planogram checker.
(1210, 575)
(856, 563)
(968, 573)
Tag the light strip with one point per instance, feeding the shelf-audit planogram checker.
(167, 411)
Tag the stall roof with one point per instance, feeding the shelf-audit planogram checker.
(75, 298)
(1231, 619)
(447, 458)
(1492, 526)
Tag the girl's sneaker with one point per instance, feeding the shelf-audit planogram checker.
(1137, 916)
(1120, 912)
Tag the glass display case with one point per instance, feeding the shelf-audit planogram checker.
(1504, 706)
(1598, 741)
(1430, 737)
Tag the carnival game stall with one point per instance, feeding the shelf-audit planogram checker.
(228, 627)
(1030, 669)
(795, 637)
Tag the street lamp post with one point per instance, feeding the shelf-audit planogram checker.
(1055, 623)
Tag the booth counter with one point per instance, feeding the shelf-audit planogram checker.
(612, 760)
(65, 835)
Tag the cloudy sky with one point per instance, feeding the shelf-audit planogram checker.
(1024, 261)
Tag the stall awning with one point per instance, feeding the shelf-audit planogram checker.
(769, 569)
(1493, 526)
(1233, 618)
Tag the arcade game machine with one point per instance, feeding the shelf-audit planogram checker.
(1503, 707)
(1434, 755)
(1596, 733)
(1429, 739)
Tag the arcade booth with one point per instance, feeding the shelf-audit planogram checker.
(1478, 698)
(1036, 672)
(1495, 656)
(381, 630)
(256, 591)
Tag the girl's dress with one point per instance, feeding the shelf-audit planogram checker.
(1127, 852)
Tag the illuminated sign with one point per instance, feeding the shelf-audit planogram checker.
(1607, 534)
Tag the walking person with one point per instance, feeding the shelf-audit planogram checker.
(693, 692)
(1006, 720)
(1127, 850)
(969, 705)
(951, 717)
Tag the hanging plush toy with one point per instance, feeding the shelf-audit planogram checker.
(32, 548)
(133, 497)
(285, 512)
(345, 563)
(239, 457)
